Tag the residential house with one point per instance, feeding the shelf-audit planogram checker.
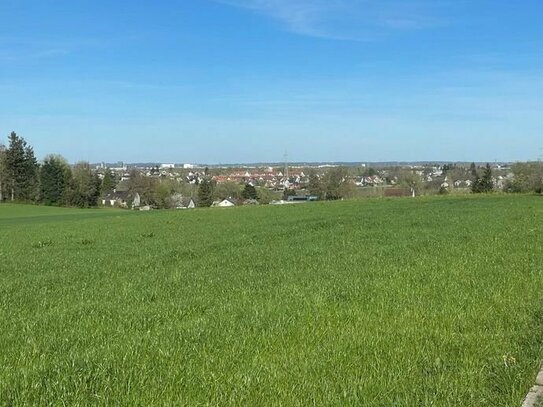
(186, 203)
(122, 200)
(225, 203)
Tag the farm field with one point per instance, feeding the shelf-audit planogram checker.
(402, 302)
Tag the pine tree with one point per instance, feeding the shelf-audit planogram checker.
(205, 193)
(486, 182)
(473, 170)
(108, 184)
(249, 192)
(482, 184)
(475, 180)
(21, 169)
(30, 186)
(2, 171)
(55, 175)
(14, 161)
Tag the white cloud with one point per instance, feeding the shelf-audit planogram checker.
(357, 20)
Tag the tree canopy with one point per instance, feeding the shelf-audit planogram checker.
(337, 184)
(484, 183)
(249, 192)
(528, 177)
(314, 186)
(205, 193)
(55, 178)
(21, 170)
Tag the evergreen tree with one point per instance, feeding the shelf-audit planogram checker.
(205, 193)
(476, 186)
(14, 160)
(487, 184)
(32, 168)
(249, 192)
(473, 172)
(475, 180)
(2, 171)
(483, 184)
(54, 179)
(369, 172)
(21, 169)
(108, 183)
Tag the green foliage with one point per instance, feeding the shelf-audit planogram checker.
(55, 178)
(108, 183)
(167, 194)
(22, 179)
(205, 193)
(337, 184)
(163, 192)
(487, 183)
(2, 172)
(288, 192)
(528, 177)
(265, 196)
(443, 190)
(483, 184)
(418, 302)
(84, 189)
(21, 169)
(227, 190)
(333, 179)
(314, 186)
(369, 172)
(407, 178)
(146, 187)
(249, 192)
(473, 172)
(458, 173)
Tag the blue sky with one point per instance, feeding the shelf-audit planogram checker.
(220, 81)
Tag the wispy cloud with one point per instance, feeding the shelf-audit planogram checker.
(21, 48)
(355, 20)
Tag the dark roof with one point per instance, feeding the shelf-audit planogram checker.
(120, 196)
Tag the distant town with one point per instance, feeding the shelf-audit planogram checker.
(286, 183)
(147, 186)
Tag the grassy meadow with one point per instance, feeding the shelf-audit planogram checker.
(402, 302)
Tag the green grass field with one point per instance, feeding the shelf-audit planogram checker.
(406, 302)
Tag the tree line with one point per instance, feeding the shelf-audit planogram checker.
(53, 182)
